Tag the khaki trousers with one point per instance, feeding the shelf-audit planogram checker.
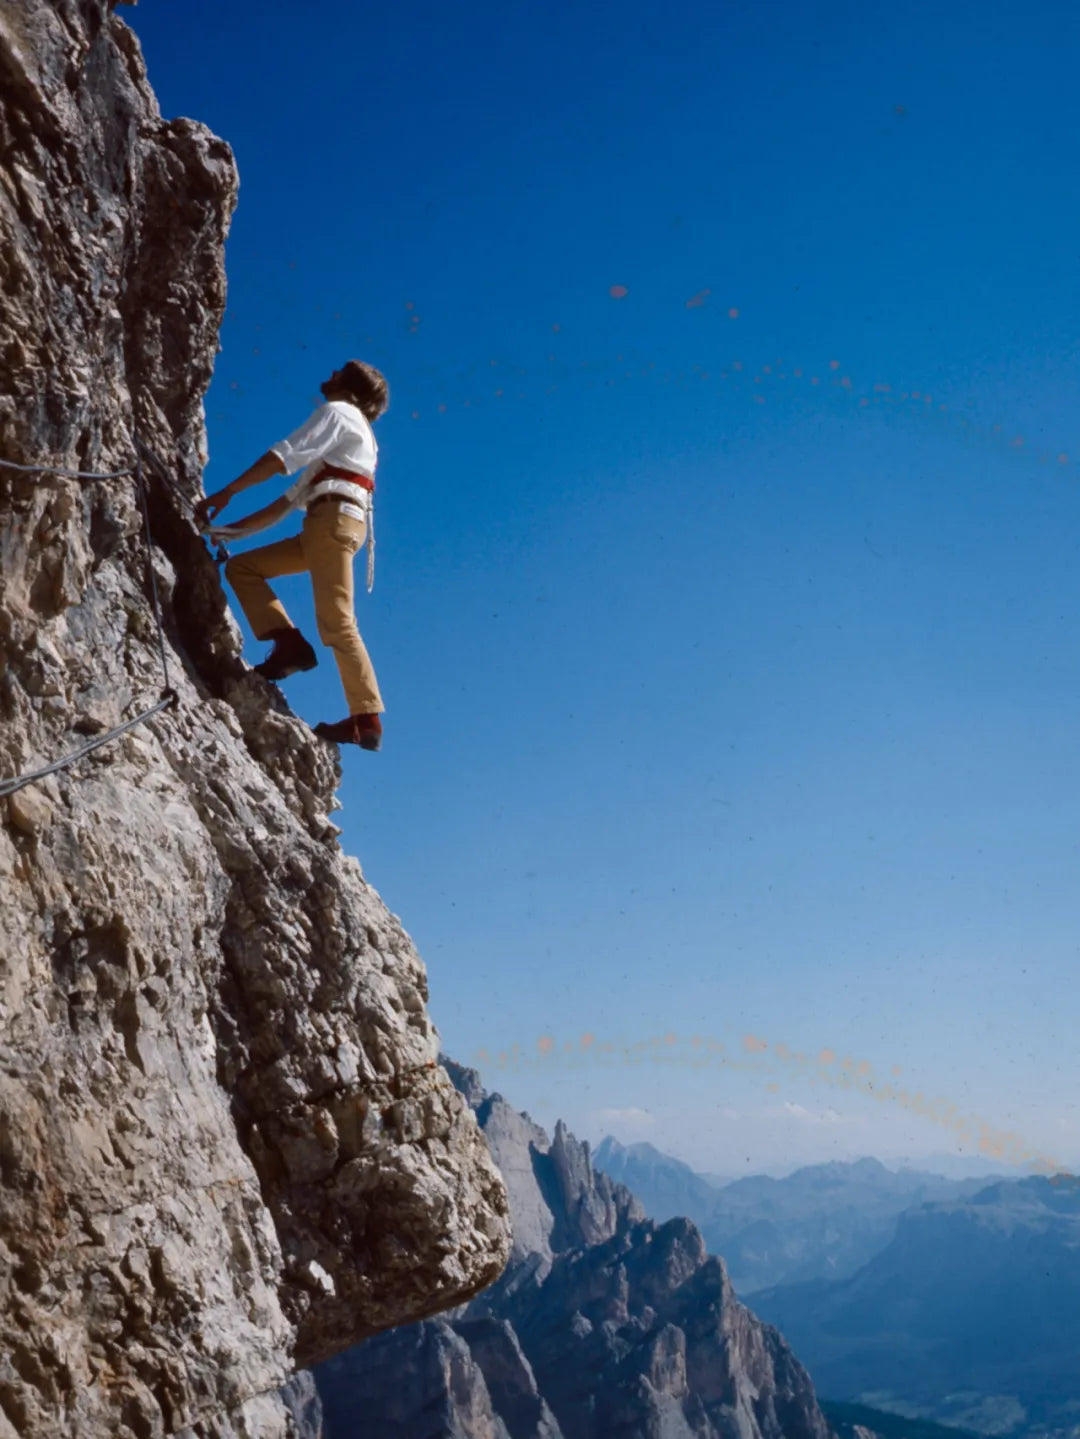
(325, 547)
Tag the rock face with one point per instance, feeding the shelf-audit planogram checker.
(603, 1326)
(226, 1146)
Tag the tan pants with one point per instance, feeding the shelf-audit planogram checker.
(325, 546)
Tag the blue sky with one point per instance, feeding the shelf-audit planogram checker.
(728, 601)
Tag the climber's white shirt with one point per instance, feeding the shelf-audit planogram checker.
(336, 434)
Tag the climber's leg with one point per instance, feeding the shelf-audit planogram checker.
(248, 573)
(330, 540)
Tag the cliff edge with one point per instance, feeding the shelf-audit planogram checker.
(227, 1149)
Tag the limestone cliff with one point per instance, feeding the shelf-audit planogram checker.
(603, 1326)
(226, 1146)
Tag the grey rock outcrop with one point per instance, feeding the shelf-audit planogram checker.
(417, 1383)
(608, 1327)
(226, 1146)
(557, 1199)
(509, 1377)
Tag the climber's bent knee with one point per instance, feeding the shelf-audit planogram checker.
(235, 568)
(339, 634)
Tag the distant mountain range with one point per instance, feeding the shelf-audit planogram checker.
(956, 1300)
(821, 1222)
(970, 1315)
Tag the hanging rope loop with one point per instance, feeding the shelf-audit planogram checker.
(371, 544)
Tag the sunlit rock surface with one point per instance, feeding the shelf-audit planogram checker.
(226, 1147)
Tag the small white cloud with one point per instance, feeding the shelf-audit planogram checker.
(626, 1117)
(821, 1116)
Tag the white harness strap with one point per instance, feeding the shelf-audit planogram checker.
(371, 544)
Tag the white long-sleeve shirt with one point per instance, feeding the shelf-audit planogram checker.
(336, 434)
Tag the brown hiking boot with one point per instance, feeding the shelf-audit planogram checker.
(364, 730)
(291, 652)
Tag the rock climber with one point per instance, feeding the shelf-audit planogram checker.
(336, 451)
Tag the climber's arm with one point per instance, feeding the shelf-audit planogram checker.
(264, 468)
(251, 524)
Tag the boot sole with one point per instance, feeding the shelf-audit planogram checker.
(275, 675)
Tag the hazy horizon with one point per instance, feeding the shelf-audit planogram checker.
(771, 1133)
(947, 1166)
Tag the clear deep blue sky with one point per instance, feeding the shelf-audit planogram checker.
(720, 703)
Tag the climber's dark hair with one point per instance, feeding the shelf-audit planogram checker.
(367, 386)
